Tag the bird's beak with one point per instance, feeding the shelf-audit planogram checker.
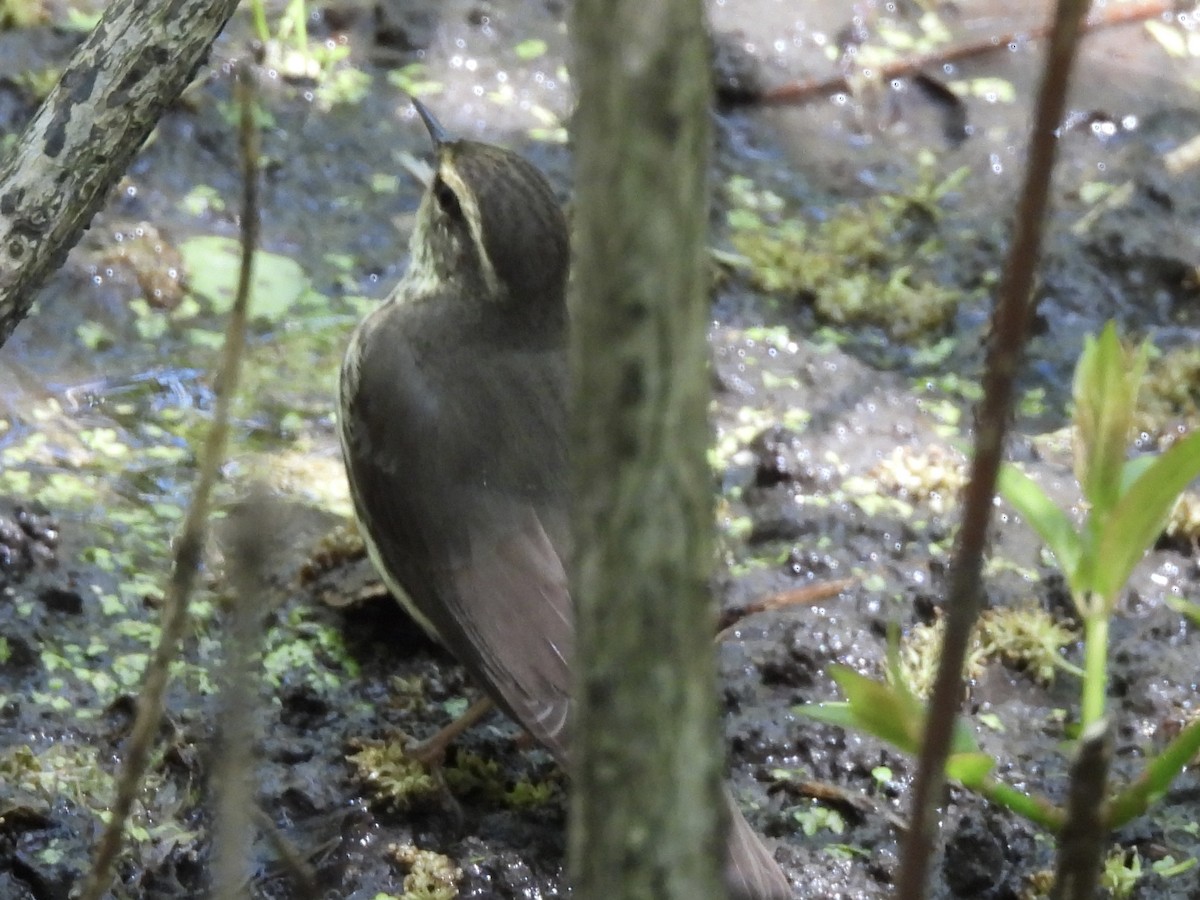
(432, 125)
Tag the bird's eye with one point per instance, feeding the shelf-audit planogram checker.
(446, 199)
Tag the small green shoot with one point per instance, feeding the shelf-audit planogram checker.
(1128, 504)
(1129, 500)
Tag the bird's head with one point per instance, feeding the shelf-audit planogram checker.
(489, 223)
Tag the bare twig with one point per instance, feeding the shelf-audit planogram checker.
(188, 555)
(299, 872)
(835, 795)
(798, 92)
(1010, 326)
(248, 555)
(804, 596)
(1175, 163)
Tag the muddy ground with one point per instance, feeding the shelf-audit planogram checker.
(839, 445)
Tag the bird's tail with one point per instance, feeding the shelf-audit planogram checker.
(751, 872)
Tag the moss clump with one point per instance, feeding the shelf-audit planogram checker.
(934, 475)
(1184, 521)
(472, 774)
(72, 773)
(1024, 637)
(16, 14)
(304, 649)
(1171, 389)
(863, 266)
(398, 780)
(431, 876)
(341, 545)
(394, 778)
(1027, 638)
(51, 773)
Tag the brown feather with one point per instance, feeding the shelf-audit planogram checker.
(453, 424)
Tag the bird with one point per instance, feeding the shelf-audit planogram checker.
(453, 405)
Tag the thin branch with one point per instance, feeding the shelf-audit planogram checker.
(248, 557)
(802, 596)
(1081, 841)
(183, 576)
(298, 870)
(1014, 309)
(799, 92)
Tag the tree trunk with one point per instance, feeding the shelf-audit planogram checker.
(81, 140)
(646, 812)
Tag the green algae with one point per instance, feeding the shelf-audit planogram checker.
(303, 649)
(866, 264)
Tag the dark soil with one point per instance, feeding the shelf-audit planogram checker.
(97, 465)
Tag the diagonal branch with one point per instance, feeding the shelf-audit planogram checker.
(1014, 307)
(81, 140)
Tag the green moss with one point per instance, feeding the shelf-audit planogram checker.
(867, 264)
(25, 14)
(71, 772)
(398, 780)
(1027, 638)
(301, 648)
(933, 476)
(526, 794)
(473, 775)
(1121, 872)
(816, 818)
(869, 495)
(431, 876)
(203, 200)
(1024, 637)
(1171, 389)
(393, 777)
(413, 79)
(1184, 521)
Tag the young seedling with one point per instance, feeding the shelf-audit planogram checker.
(1128, 502)
(1128, 505)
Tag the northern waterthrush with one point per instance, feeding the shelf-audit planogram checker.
(453, 419)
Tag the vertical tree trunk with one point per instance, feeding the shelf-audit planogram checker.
(646, 814)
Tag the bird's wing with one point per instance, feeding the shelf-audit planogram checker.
(523, 643)
(464, 503)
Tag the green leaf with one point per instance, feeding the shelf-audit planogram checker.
(531, 49)
(1052, 524)
(212, 275)
(1156, 778)
(882, 710)
(1105, 389)
(1136, 522)
(833, 713)
(969, 769)
(1134, 469)
(1184, 608)
(889, 713)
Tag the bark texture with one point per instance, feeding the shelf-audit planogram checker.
(81, 140)
(647, 808)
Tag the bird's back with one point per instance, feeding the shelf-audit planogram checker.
(459, 456)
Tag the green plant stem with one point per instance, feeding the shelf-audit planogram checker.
(298, 13)
(1156, 778)
(1034, 807)
(258, 13)
(1095, 667)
